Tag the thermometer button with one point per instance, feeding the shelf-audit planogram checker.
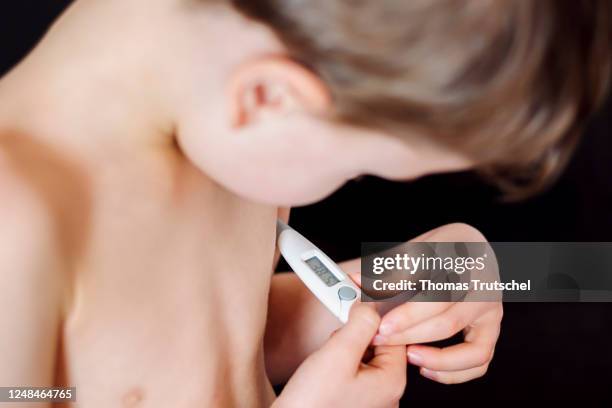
(346, 293)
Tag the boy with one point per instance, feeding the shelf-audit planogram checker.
(147, 145)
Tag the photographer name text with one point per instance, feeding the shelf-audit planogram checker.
(428, 285)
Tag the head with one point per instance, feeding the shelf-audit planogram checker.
(283, 101)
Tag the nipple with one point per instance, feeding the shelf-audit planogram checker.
(132, 398)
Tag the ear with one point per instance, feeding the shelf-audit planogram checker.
(274, 85)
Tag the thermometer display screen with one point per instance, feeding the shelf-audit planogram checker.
(321, 271)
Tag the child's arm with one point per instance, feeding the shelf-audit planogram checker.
(29, 291)
(298, 324)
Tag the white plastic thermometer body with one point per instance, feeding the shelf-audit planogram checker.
(318, 272)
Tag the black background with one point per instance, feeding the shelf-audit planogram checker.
(546, 351)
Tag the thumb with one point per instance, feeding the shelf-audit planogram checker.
(350, 342)
(355, 277)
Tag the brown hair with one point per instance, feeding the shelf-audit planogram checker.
(507, 82)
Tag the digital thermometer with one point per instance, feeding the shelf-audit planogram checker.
(318, 272)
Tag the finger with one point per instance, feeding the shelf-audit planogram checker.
(356, 277)
(350, 342)
(486, 326)
(387, 371)
(455, 377)
(458, 357)
(408, 315)
(443, 325)
(353, 270)
(389, 358)
(368, 355)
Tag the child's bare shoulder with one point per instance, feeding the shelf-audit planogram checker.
(31, 295)
(24, 219)
(28, 213)
(39, 178)
(17, 185)
(44, 206)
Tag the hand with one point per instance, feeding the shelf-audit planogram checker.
(335, 376)
(422, 322)
(414, 323)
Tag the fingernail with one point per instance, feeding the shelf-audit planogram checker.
(379, 340)
(415, 358)
(386, 328)
(432, 375)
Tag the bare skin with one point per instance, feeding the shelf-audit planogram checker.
(116, 281)
(137, 287)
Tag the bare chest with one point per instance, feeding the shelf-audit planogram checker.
(169, 304)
